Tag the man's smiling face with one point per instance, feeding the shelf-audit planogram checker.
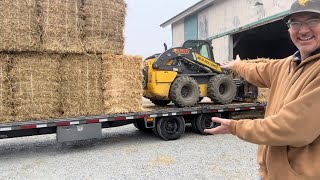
(305, 38)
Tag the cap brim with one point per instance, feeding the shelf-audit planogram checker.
(287, 17)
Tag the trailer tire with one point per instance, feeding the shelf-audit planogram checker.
(194, 125)
(160, 102)
(170, 128)
(222, 89)
(142, 127)
(204, 121)
(184, 92)
(155, 131)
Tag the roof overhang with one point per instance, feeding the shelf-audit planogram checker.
(193, 9)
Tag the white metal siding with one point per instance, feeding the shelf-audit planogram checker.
(220, 49)
(227, 15)
(203, 25)
(178, 33)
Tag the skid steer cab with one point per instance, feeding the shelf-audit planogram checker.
(184, 75)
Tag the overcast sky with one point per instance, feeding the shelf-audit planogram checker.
(143, 34)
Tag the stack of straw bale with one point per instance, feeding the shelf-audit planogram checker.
(19, 25)
(104, 23)
(6, 106)
(81, 90)
(122, 77)
(51, 56)
(61, 25)
(35, 83)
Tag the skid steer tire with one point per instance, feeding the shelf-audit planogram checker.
(184, 92)
(160, 102)
(221, 89)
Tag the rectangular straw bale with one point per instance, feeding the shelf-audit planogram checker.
(6, 106)
(81, 85)
(122, 77)
(19, 30)
(103, 25)
(36, 86)
(62, 26)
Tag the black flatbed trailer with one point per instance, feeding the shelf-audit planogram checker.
(166, 122)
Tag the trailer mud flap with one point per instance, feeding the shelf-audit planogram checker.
(79, 132)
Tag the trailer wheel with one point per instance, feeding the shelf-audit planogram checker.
(184, 91)
(142, 127)
(155, 131)
(170, 128)
(160, 102)
(194, 125)
(204, 121)
(222, 89)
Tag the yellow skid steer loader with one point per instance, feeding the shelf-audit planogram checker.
(184, 75)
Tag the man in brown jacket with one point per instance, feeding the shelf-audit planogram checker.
(289, 135)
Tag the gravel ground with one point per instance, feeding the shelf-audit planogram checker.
(126, 153)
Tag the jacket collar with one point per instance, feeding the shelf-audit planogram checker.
(296, 59)
(297, 56)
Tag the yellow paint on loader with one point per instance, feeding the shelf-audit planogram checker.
(208, 62)
(158, 91)
(159, 82)
(203, 90)
(164, 76)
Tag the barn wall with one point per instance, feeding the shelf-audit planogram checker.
(220, 49)
(231, 14)
(178, 33)
(227, 15)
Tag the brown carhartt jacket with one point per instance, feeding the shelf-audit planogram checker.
(289, 135)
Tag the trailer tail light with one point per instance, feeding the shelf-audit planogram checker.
(149, 119)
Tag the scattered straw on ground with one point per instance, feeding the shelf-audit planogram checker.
(81, 88)
(122, 76)
(35, 83)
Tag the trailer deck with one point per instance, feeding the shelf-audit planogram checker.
(49, 126)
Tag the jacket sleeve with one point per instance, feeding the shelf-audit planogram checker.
(297, 123)
(259, 74)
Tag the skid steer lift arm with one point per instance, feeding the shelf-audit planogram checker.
(171, 60)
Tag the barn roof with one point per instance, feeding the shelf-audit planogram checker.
(191, 10)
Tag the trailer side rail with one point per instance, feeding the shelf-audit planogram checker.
(10, 128)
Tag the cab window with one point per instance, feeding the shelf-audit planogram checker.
(204, 51)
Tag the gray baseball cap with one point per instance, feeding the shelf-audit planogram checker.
(303, 6)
